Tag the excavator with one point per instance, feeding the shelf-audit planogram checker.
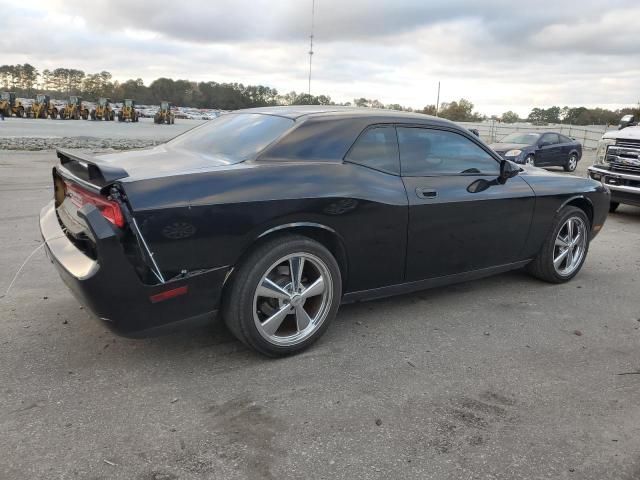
(42, 108)
(103, 110)
(128, 111)
(74, 110)
(10, 106)
(164, 115)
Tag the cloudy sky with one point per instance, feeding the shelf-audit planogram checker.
(501, 55)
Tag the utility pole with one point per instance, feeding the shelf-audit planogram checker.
(438, 100)
(313, 11)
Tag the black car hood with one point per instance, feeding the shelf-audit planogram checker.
(503, 147)
(162, 161)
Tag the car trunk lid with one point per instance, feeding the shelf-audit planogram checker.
(79, 180)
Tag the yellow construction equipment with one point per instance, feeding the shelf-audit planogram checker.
(10, 106)
(103, 110)
(42, 108)
(128, 111)
(164, 115)
(74, 110)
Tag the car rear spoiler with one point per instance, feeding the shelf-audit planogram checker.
(89, 168)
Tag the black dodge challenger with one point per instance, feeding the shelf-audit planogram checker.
(275, 216)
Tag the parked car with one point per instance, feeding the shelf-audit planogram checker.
(617, 165)
(275, 216)
(547, 149)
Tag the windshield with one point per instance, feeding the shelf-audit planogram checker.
(235, 136)
(522, 138)
(4, 96)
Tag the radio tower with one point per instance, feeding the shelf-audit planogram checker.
(313, 11)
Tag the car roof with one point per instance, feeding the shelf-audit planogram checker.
(295, 112)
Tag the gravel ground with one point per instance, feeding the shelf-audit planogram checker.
(32, 134)
(502, 378)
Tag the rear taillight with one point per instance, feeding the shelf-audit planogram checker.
(110, 209)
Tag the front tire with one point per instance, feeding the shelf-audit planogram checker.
(565, 249)
(530, 160)
(283, 296)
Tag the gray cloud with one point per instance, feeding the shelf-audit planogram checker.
(500, 54)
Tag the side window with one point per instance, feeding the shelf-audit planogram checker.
(564, 139)
(377, 148)
(551, 138)
(425, 152)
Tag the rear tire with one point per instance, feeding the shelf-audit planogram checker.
(613, 206)
(297, 320)
(556, 263)
(572, 163)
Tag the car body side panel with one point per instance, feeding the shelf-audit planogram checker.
(552, 193)
(208, 220)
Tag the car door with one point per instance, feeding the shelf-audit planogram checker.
(549, 150)
(567, 145)
(461, 217)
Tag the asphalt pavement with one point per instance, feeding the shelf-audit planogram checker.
(501, 378)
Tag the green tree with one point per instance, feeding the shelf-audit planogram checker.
(460, 111)
(510, 117)
(536, 116)
(429, 110)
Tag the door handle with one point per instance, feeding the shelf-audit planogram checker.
(426, 193)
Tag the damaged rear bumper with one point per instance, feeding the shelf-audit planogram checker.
(110, 287)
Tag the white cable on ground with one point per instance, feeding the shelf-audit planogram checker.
(15, 277)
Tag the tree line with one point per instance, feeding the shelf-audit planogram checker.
(26, 80)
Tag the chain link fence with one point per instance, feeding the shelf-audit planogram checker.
(492, 132)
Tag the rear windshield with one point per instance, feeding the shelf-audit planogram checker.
(235, 136)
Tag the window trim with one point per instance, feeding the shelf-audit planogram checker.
(546, 134)
(345, 159)
(488, 151)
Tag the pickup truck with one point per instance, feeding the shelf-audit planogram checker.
(617, 163)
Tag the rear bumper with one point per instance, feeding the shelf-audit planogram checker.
(624, 187)
(110, 287)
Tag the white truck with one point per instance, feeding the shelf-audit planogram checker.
(617, 163)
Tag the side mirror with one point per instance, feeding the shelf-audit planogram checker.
(508, 170)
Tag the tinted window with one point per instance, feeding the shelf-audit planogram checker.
(551, 138)
(234, 136)
(438, 152)
(564, 139)
(377, 148)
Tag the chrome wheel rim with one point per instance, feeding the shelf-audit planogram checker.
(292, 299)
(531, 161)
(570, 246)
(573, 162)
